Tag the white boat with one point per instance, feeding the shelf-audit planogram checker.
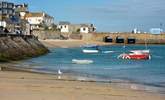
(136, 55)
(90, 51)
(141, 51)
(77, 61)
(108, 51)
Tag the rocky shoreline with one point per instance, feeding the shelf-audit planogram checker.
(15, 47)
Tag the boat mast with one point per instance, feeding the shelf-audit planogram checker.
(145, 41)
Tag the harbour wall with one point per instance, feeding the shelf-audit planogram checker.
(15, 47)
(140, 38)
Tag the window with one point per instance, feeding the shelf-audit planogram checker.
(39, 20)
(10, 11)
(4, 11)
(4, 4)
(65, 26)
(84, 29)
(10, 5)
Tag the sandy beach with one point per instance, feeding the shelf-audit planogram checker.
(50, 43)
(31, 86)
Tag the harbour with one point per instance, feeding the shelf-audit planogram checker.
(82, 50)
(113, 69)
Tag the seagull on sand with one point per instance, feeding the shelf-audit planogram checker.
(59, 72)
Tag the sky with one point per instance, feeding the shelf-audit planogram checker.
(106, 15)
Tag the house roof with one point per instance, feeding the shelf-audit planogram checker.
(34, 14)
(64, 23)
(84, 25)
(37, 14)
(87, 25)
(48, 16)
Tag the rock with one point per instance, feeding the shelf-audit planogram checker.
(17, 48)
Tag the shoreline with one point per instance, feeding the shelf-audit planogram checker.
(119, 83)
(36, 83)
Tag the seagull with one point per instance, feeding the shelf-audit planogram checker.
(59, 72)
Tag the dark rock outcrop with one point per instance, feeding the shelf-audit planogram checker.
(20, 47)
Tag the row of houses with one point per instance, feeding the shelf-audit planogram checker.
(17, 17)
(67, 27)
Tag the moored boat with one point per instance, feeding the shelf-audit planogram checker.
(136, 55)
(85, 61)
(90, 49)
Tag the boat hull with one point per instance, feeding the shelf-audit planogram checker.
(135, 56)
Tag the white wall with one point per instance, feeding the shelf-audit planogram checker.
(22, 14)
(3, 23)
(84, 30)
(35, 20)
(64, 28)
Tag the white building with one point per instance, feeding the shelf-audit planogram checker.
(39, 19)
(3, 23)
(156, 30)
(87, 28)
(135, 30)
(64, 27)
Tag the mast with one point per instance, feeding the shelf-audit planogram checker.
(145, 40)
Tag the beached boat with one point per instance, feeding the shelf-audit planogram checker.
(136, 55)
(90, 49)
(78, 61)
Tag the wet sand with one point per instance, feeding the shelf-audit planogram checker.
(32, 86)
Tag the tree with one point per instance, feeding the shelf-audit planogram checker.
(78, 30)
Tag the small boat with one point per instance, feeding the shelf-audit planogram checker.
(90, 49)
(77, 61)
(108, 51)
(142, 51)
(136, 55)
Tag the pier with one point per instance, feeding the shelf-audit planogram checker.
(127, 38)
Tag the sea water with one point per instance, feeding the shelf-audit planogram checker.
(142, 74)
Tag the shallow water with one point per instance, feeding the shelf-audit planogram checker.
(147, 74)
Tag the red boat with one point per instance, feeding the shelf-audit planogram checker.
(136, 55)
